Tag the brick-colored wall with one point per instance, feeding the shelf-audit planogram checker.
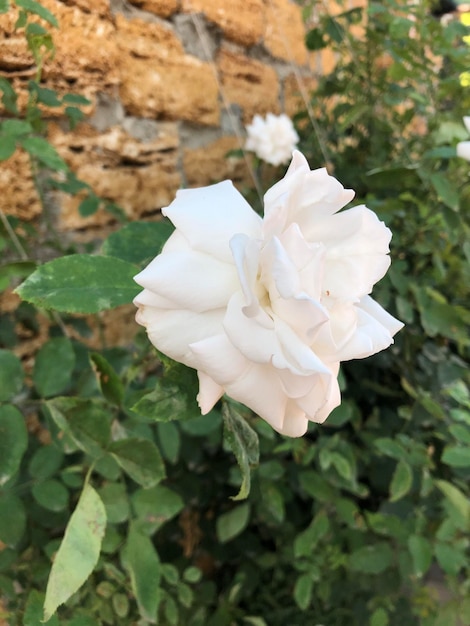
(172, 83)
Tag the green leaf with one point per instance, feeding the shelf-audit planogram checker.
(303, 591)
(306, 541)
(51, 494)
(244, 443)
(89, 205)
(12, 519)
(390, 448)
(231, 524)
(155, 506)
(140, 459)
(79, 551)
(87, 422)
(402, 481)
(81, 283)
(141, 559)
(45, 462)
(115, 500)
(379, 618)
(315, 39)
(13, 441)
(4, 6)
(192, 574)
(450, 557)
(33, 613)
(109, 382)
(373, 559)
(170, 441)
(138, 242)
(164, 403)
(44, 152)
(9, 96)
(446, 190)
(421, 553)
(44, 95)
(75, 98)
(37, 9)
(456, 456)
(53, 367)
(7, 146)
(456, 498)
(11, 375)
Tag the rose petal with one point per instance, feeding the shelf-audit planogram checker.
(173, 331)
(209, 392)
(463, 149)
(375, 329)
(192, 280)
(219, 358)
(209, 217)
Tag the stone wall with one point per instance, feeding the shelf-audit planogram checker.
(172, 84)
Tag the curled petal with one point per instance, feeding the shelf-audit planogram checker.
(375, 331)
(463, 150)
(187, 290)
(209, 217)
(209, 392)
(173, 331)
(246, 256)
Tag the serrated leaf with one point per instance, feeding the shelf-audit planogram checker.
(303, 591)
(244, 443)
(141, 559)
(402, 481)
(232, 523)
(11, 375)
(53, 367)
(75, 98)
(79, 551)
(7, 146)
(163, 404)
(13, 441)
(373, 559)
(155, 506)
(37, 9)
(33, 613)
(458, 499)
(81, 283)
(12, 519)
(86, 421)
(9, 96)
(89, 205)
(45, 95)
(421, 553)
(109, 382)
(140, 459)
(306, 541)
(456, 456)
(44, 152)
(138, 242)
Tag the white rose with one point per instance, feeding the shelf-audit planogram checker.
(273, 139)
(265, 310)
(463, 147)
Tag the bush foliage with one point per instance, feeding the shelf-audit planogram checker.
(342, 526)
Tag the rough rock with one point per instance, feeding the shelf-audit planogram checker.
(140, 176)
(19, 196)
(242, 21)
(163, 8)
(159, 80)
(250, 84)
(284, 32)
(210, 163)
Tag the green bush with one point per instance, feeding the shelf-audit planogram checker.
(341, 526)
